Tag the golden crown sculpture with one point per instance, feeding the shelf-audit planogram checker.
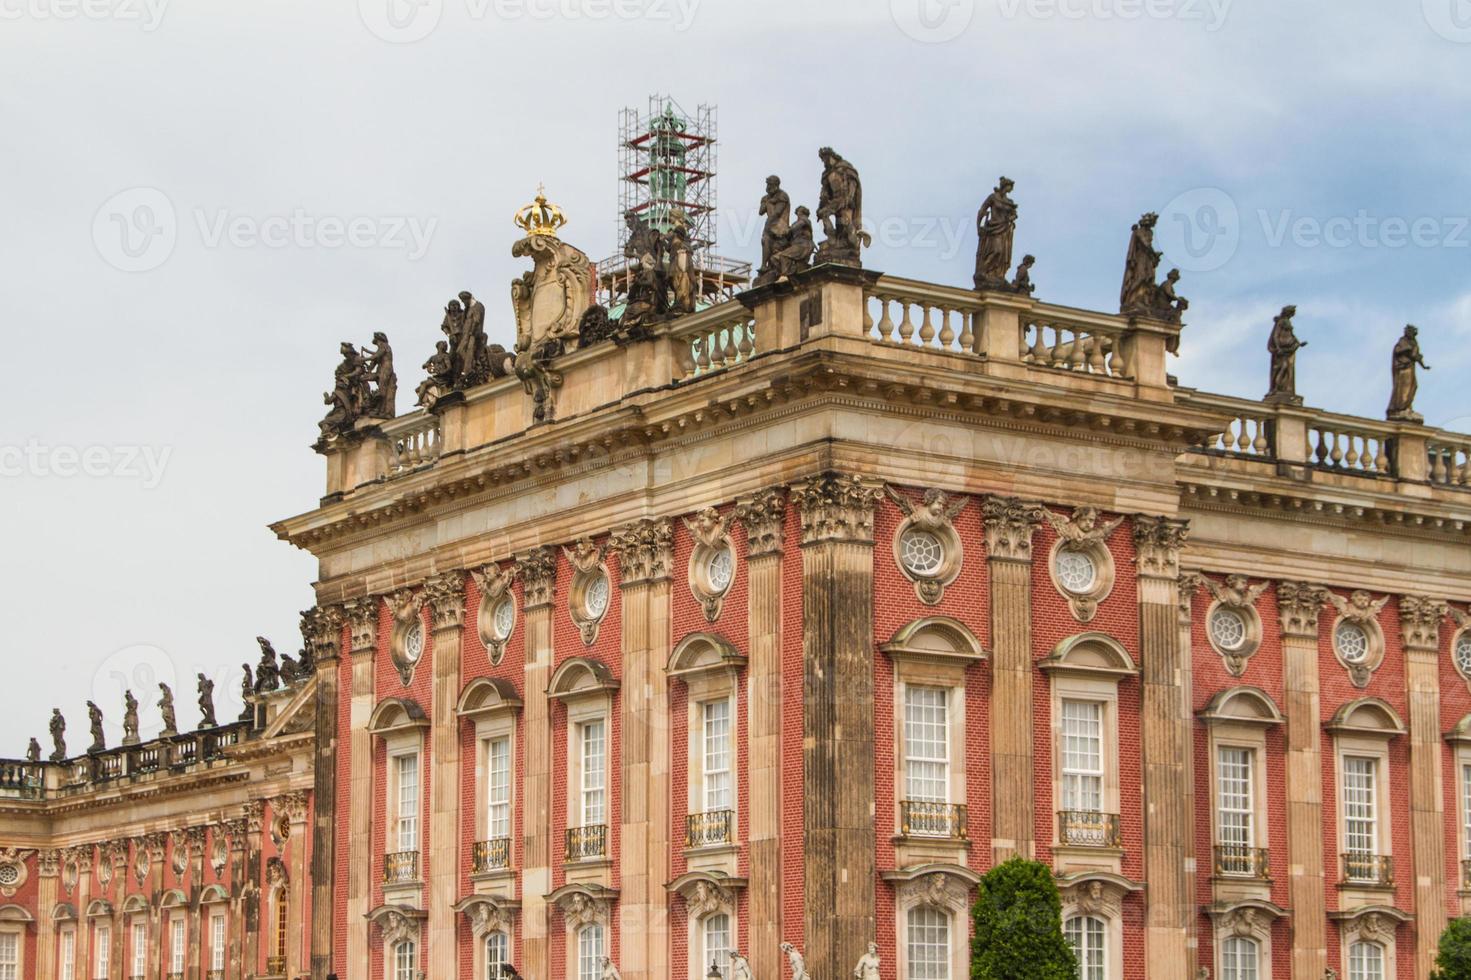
(539, 217)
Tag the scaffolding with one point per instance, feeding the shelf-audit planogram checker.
(667, 167)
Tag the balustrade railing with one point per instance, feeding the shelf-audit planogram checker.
(710, 828)
(1088, 828)
(414, 440)
(1347, 446)
(1240, 861)
(23, 780)
(1363, 867)
(920, 315)
(1083, 348)
(400, 867)
(585, 843)
(719, 337)
(490, 855)
(1449, 461)
(924, 818)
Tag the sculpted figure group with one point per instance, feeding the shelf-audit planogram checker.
(1140, 294)
(665, 282)
(995, 231)
(364, 386)
(465, 358)
(787, 243)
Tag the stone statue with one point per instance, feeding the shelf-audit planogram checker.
(796, 254)
(1402, 397)
(539, 380)
(1283, 345)
(643, 241)
(441, 379)
(681, 267)
(99, 740)
(268, 671)
(740, 967)
(840, 209)
(995, 228)
(291, 670)
(130, 719)
(648, 296)
(470, 368)
(33, 751)
(378, 363)
(1168, 305)
(166, 708)
(776, 208)
(348, 397)
(1023, 281)
(796, 962)
(868, 964)
(247, 688)
(610, 972)
(207, 703)
(58, 735)
(1137, 295)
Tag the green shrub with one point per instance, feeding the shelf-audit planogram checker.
(1453, 962)
(1018, 926)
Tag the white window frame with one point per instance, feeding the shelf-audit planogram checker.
(138, 937)
(907, 950)
(1353, 968)
(499, 792)
(717, 774)
(1238, 800)
(407, 830)
(913, 759)
(178, 944)
(930, 666)
(1231, 967)
(706, 957)
(589, 946)
(219, 938)
(487, 964)
(101, 951)
(708, 686)
(1083, 787)
(1359, 788)
(18, 937)
(401, 966)
(66, 953)
(1105, 941)
(592, 782)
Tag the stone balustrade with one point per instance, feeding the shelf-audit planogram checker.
(172, 754)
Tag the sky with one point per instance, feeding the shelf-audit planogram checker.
(201, 199)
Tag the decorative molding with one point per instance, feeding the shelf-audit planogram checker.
(362, 622)
(486, 914)
(405, 604)
(1237, 595)
(764, 517)
(1362, 610)
(944, 887)
(1009, 524)
(1191, 582)
(1158, 542)
(321, 633)
(397, 923)
(645, 551)
(710, 531)
(48, 862)
(582, 905)
(1298, 605)
(538, 569)
(934, 516)
(14, 859)
(585, 554)
(1420, 618)
(706, 893)
(494, 582)
(836, 507)
(292, 806)
(445, 596)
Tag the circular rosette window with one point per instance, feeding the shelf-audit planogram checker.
(406, 646)
(1359, 646)
(1461, 651)
(496, 621)
(1235, 632)
(928, 555)
(712, 571)
(591, 594)
(1083, 572)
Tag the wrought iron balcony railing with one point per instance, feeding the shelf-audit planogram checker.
(400, 867)
(1087, 828)
(490, 855)
(923, 818)
(1240, 861)
(585, 843)
(276, 965)
(710, 828)
(1466, 874)
(1366, 868)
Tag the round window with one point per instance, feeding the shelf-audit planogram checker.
(922, 553)
(1463, 653)
(1228, 629)
(595, 597)
(503, 619)
(719, 570)
(9, 874)
(414, 643)
(1352, 642)
(1076, 570)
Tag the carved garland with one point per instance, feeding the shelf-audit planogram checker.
(1081, 545)
(495, 619)
(406, 644)
(1358, 640)
(927, 548)
(591, 594)
(713, 567)
(1232, 624)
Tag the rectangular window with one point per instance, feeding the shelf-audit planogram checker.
(176, 945)
(927, 744)
(217, 942)
(590, 952)
(406, 773)
(716, 930)
(1082, 755)
(1466, 805)
(9, 956)
(1360, 806)
(1234, 797)
(718, 780)
(593, 773)
(498, 788)
(140, 949)
(68, 955)
(404, 960)
(103, 939)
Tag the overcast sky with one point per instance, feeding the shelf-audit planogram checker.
(159, 327)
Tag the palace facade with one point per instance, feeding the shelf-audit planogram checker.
(783, 621)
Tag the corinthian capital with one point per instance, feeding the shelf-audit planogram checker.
(538, 576)
(321, 632)
(1298, 605)
(1420, 618)
(764, 516)
(445, 595)
(1157, 545)
(645, 551)
(362, 622)
(837, 507)
(1009, 524)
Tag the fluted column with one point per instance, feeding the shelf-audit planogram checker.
(1298, 604)
(235, 921)
(538, 579)
(764, 519)
(193, 841)
(1009, 525)
(83, 856)
(362, 621)
(645, 551)
(322, 631)
(837, 720)
(1420, 619)
(255, 904)
(1165, 733)
(446, 597)
(48, 870)
(292, 807)
(1190, 583)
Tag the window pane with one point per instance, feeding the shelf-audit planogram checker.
(403, 960)
(716, 929)
(590, 953)
(68, 955)
(497, 954)
(1234, 796)
(176, 946)
(408, 801)
(1239, 959)
(928, 948)
(1466, 802)
(593, 756)
(217, 942)
(717, 755)
(498, 788)
(927, 744)
(103, 939)
(1366, 961)
(1082, 755)
(1086, 934)
(9, 956)
(140, 949)
(1360, 806)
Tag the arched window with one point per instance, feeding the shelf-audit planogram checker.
(590, 952)
(1087, 935)
(928, 948)
(715, 950)
(281, 911)
(403, 960)
(1239, 958)
(497, 954)
(1366, 961)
